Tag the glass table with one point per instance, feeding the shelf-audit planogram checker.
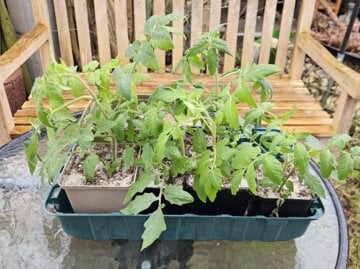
(31, 239)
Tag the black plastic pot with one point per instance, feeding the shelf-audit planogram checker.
(169, 209)
(290, 208)
(225, 203)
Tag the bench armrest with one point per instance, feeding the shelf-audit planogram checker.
(348, 79)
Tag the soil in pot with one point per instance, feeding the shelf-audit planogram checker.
(105, 193)
(267, 201)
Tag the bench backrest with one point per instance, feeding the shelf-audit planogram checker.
(241, 20)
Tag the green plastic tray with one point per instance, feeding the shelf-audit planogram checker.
(179, 227)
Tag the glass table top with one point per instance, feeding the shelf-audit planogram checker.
(31, 239)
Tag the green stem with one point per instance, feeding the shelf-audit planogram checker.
(85, 97)
(286, 179)
(113, 148)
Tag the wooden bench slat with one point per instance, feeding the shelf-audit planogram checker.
(196, 24)
(63, 31)
(177, 52)
(284, 37)
(102, 30)
(121, 28)
(82, 25)
(215, 14)
(267, 31)
(249, 33)
(159, 9)
(231, 33)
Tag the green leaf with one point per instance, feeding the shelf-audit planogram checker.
(104, 126)
(223, 151)
(177, 196)
(339, 141)
(181, 165)
(313, 142)
(140, 203)
(250, 178)
(187, 71)
(91, 66)
(123, 83)
(199, 141)
(314, 184)
(160, 146)
(90, 164)
(221, 45)
(140, 184)
(128, 157)
(272, 169)
(76, 87)
(236, 181)
(327, 163)
(161, 42)
(260, 71)
(345, 165)
(253, 115)
(301, 158)
(242, 93)
(245, 155)
(231, 113)
(196, 62)
(212, 61)
(214, 177)
(198, 47)
(31, 152)
(166, 94)
(154, 226)
(147, 155)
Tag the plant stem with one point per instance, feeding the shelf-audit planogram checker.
(113, 148)
(286, 179)
(70, 103)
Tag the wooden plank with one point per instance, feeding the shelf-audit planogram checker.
(348, 79)
(82, 25)
(249, 33)
(177, 52)
(102, 30)
(345, 111)
(121, 28)
(41, 15)
(6, 119)
(284, 37)
(139, 18)
(159, 9)
(19, 130)
(63, 31)
(215, 14)
(267, 31)
(303, 25)
(26, 46)
(196, 24)
(231, 33)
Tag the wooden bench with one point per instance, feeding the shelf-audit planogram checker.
(289, 90)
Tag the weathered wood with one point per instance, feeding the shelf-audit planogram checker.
(196, 24)
(102, 30)
(285, 30)
(159, 9)
(215, 14)
(177, 52)
(63, 31)
(267, 31)
(139, 18)
(121, 27)
(9, 38)
(231, 33)
(345, 111)
(4, 134)
(6, 118)
(249, 33)
(348, 79)
(26, 46)
(41, 15)
(82, 25)
(303, 25)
